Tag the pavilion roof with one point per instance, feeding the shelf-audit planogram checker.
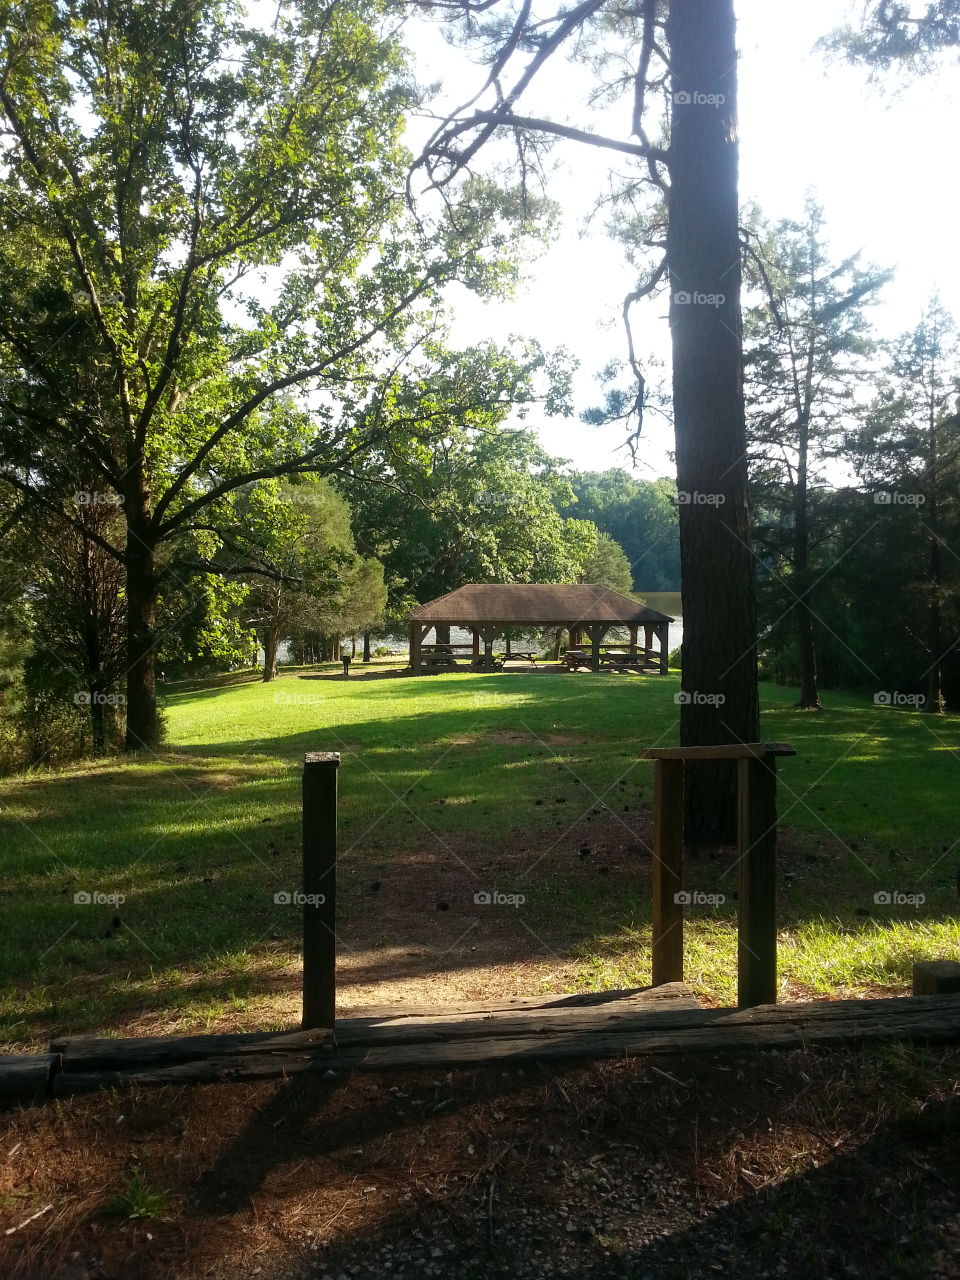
(534, 603)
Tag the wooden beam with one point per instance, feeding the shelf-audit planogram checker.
(913, 1019)
(757, 903)
(596, 631)
(488, 634)
(936, 977)
(27, 1075)
(730, 751)
(668, 872)
(663, 633)
(415, 636)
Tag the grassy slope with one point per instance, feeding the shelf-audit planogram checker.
(200, 838)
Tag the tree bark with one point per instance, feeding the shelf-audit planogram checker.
(97, 725)
(703, 250)
(366, 646)
(143, 723)
(271, 643)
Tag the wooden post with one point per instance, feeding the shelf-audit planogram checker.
(936, 978)
(488, 634)
(757, 840)
(663, 632)
(476, 646)
(633, 642)
(319, 888)
(647, 642)
(667, 872)
(596, 632)
(416, 665)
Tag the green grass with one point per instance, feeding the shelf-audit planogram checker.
(138, 1200)
(199, 838)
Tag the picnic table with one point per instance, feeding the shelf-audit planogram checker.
(526, 654)
(617, 659)
(444, 661)
(574, 658)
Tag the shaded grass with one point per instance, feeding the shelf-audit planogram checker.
(198, 838)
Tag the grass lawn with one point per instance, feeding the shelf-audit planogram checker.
(525, 784)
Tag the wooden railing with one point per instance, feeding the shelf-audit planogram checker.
(757, 863)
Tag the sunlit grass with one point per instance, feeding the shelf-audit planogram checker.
(198, 838)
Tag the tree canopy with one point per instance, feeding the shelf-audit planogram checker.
(208, 274)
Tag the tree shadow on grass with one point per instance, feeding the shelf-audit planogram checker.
(434, 807)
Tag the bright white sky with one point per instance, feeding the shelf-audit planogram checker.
(879, 159)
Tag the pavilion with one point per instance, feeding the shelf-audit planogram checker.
(587, 611)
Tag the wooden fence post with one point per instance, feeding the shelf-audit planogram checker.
(667, 872)
(757, 847)
(757, 840)
(319, 888)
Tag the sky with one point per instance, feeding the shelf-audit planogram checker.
(879, 158)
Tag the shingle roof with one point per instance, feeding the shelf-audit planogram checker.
(540, 604)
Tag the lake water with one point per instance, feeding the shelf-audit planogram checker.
(667, 602)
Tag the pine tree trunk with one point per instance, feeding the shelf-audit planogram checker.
(366, 646)
(703, 247)
(97, 726)
(143, 723)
